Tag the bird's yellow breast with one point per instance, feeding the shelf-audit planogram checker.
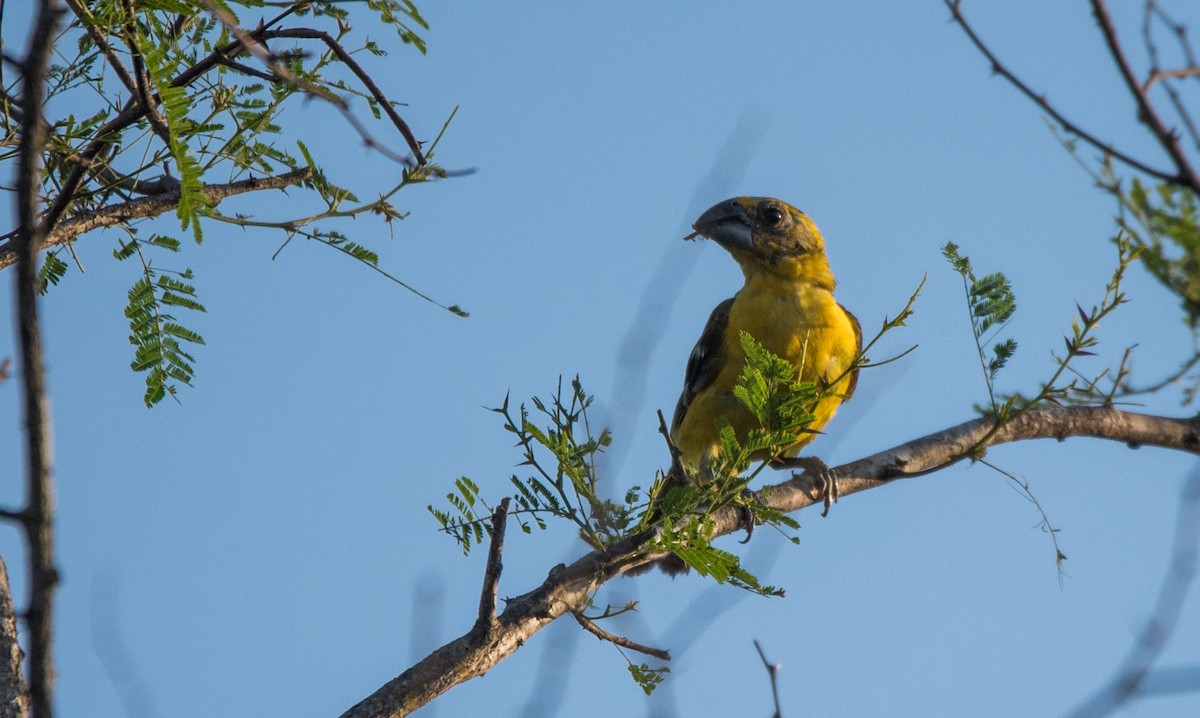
(798, 321)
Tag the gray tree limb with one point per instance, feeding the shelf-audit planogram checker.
(567, 588)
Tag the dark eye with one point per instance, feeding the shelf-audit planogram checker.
(772, 216)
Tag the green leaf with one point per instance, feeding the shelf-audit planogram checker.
(52, 270)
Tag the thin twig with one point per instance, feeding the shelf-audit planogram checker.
(38, 521)
(140, 75)
(491, 575)
(1180, 32)
(302, 32)
(1042, 102)
(623, 642)
(257, 47)
(1159, 75)
(772, 670)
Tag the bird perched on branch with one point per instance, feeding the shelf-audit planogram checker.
(787, 305)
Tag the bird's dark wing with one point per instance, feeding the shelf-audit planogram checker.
(705, 361)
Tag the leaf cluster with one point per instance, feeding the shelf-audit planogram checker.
(158, 338)
(990, 304)
(563, 481)
(1162, 224)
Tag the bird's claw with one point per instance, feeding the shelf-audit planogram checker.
(746, 516)
(825, 479)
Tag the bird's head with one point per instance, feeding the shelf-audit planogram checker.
(766, 234)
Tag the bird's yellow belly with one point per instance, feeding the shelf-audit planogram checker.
(804, 326)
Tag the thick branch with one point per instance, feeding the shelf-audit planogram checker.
(152, 206)
(567, 588)
(38, 516)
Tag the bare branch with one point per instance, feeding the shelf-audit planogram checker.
(590, 626)
(1180, 31)
(568, 588)
(151, 206)
(1167, 138)
(1042, 102)
(1159, 75)
(38, 516)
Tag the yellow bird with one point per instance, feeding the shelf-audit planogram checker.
(787, 305)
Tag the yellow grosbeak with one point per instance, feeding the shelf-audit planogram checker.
(786, 305)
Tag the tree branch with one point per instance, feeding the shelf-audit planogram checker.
(491, 575)
(384, 103)
(772, 673)
(38, 515)
(152, 206)
(568, 588)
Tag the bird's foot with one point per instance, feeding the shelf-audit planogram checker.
(824, 477)
(746, 516)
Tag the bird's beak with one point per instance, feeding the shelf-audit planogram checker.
(726, 224)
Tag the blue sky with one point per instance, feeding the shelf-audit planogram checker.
(263, 546)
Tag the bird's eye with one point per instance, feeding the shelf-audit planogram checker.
(772, 216)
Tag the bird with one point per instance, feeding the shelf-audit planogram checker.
(787, 305)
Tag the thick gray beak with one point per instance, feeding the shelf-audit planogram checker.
(726, 224)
